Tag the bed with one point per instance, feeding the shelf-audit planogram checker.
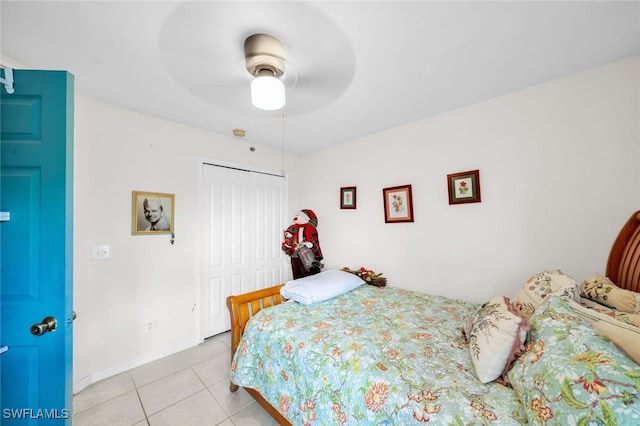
(387, 356)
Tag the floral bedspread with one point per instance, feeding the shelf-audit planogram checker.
(373, 356)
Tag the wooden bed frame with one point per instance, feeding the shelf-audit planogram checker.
(623, 268)
(241, 308)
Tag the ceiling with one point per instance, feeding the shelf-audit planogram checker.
(353, 68)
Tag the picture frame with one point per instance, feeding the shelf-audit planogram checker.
(152, 213)
(348, 198)
(398, 204)
(464, 187)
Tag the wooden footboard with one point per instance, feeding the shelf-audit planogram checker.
(241, 308)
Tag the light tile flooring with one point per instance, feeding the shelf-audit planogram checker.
(190, 388)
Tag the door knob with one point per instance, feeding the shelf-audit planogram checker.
(73, 317)
(47, 324)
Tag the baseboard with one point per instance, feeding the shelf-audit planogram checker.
(114, 371)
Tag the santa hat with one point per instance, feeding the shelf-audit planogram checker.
(311, 217)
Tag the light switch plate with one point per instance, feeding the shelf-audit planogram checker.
(100, 252)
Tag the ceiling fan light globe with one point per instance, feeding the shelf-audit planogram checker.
(267, 93)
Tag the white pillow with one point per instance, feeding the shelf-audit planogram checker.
(319, 287)
(496, 336)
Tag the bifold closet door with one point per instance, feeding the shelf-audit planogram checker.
(243, 218)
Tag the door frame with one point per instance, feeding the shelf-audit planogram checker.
(202, 161)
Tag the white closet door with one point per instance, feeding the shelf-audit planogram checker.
(270, 264)
(243, 218)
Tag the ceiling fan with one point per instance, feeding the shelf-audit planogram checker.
(201, 44)
(264, 56)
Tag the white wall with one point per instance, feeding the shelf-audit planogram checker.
(146, 278)
(558, 170)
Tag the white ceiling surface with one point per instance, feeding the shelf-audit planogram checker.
(353, 68)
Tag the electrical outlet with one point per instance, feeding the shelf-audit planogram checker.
(150, 325)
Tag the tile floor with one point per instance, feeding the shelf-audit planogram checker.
(190, 388)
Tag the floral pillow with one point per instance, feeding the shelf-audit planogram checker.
(542, 285)
(603, 290)
(625, 336)
(496, 336)
(571, 374)
(627, 318)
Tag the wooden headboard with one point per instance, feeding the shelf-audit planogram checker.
(623, 266)
(244, 306)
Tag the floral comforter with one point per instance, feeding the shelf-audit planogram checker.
(374, 356)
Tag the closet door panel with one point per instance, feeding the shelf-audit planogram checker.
(243, 219)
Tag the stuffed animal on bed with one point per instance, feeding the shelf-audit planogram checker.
(302, 244)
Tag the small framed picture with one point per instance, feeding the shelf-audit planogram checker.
(464, 187)
(398, 205)
(152, 213)
(348, 197)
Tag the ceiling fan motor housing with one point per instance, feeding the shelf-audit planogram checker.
(264, 55)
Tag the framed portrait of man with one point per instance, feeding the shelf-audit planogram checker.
(152, 213)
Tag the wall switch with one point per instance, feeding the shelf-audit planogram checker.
(100, 252)
(149, 325)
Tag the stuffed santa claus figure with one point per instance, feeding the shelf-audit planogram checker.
(302, 244)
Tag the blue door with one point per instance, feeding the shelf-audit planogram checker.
(36, 201)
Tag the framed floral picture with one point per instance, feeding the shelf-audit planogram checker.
(464, 187)
(398, 205)
(348, 197)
